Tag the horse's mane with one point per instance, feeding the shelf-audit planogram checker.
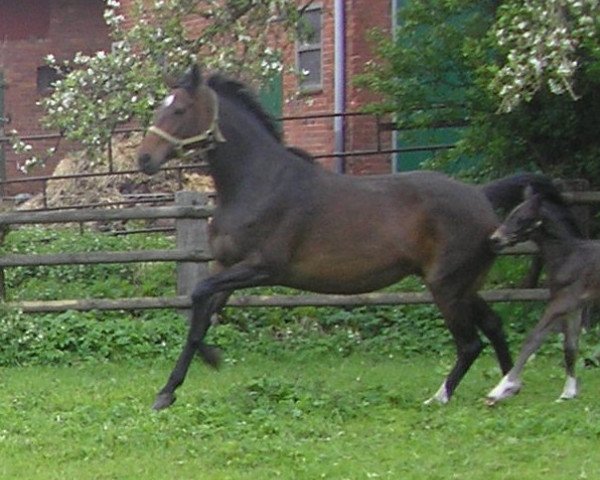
(243, 94)
(301, 153)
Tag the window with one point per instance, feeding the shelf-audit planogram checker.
(46, 76)
(308, 49)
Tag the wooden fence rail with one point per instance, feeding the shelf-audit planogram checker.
(191, 213)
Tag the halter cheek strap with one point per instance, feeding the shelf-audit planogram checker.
(205, 141)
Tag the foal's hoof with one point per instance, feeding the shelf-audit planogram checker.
(211, 355)
(163, 400)
(505, 389)
(570, 391)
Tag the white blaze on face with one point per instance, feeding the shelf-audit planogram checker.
(168, 101)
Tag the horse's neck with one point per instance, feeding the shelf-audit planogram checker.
(555, 242)
(251, 162)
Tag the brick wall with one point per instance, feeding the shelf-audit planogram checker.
(72, 26)
(78, 25)
(317, 136)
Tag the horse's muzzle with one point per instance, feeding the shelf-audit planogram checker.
(498, 241)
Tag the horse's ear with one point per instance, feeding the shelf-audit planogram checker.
(528, 192)
(194, 78)
(191, 80)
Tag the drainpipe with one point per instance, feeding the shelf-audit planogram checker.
(395, 157)
(339, 74)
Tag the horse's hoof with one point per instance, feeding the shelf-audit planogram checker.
(441, 397)
(570, 391)
(505, 389)
(211, 356)
(163, 400)
(565, 397)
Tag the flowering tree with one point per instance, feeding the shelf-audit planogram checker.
(524, 74)
(544, 43)
(103, 91)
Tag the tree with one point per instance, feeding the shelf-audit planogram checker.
(524, 75)
(100, 92)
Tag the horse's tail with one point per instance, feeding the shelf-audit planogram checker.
(506, 193)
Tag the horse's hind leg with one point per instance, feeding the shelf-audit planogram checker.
(458, 316)
(571, 331)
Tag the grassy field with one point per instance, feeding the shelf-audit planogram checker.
(306, 393)
(296, 417)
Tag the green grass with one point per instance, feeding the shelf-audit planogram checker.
(294, 416)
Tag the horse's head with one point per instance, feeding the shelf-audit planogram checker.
(186, 120)
(520, 223)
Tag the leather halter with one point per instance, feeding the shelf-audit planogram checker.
(200, 143)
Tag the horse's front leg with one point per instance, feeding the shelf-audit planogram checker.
(205, 298)
(511, 383)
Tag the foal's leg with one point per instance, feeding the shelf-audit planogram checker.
(458, 316)
(571, 330)
(511, 382)
(204, 303)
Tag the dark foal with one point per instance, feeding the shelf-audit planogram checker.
(283, 220)
(573, 269)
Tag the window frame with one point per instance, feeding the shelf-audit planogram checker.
(304, 47)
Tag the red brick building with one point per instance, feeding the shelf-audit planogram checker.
(29, 31)
(345, 25)
(336, 51)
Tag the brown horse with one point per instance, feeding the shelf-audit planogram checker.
(283, 220)
(573, 266)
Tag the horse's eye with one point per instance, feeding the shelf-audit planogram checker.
(523, 224)
(179, 111)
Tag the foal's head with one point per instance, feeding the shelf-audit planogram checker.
(521, 223)
(186, 120)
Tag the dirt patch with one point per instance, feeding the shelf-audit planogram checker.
(119, 189)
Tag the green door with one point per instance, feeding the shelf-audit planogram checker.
(271, 96)
(418, 145)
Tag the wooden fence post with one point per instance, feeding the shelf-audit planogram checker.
(3, 232)
(191, 233)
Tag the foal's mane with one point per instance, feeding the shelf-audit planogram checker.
(239, 91)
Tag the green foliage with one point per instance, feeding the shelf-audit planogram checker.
(79, 281)
(544, 44)
(76, 336)
(70, 337)
(459, 60)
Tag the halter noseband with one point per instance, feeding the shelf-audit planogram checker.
(205, 141)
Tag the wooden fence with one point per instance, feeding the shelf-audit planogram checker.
(191, 212)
